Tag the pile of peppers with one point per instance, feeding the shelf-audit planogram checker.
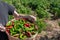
(21, 28)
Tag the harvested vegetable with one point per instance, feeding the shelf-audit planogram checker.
(27, 25)
(21, 28)
(8, 30)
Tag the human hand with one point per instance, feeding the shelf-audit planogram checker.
(2, 28)
(30, 18)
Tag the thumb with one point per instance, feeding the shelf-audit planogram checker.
(31, 18)
(3, 29)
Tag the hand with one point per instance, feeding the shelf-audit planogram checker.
(2, 28)
(31, 18)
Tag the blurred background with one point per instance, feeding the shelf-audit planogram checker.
(38, 8)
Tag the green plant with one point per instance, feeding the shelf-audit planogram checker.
(55, 7)
(10, 17)
(41, 7)
(27, 6)
(41, 25)
(41, 13)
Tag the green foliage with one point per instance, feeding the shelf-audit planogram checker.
(27, 6)
(20, 8)
(10, 17)
(55, 7)
(42, 7)
(41, 13)
(41, 24)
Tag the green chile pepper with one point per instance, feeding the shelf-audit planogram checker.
(29, 29)
(9, 23)
(19, 28)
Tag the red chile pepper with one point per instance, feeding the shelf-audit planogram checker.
(7, 30)
(27, 25)
(9, 27)
(28, 34)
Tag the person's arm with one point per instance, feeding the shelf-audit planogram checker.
(29, 17)
(16, 15)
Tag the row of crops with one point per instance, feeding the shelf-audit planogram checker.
(43, 8)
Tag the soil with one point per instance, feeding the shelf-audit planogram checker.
(52, 31)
